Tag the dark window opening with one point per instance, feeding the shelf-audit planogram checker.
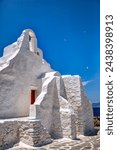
(37, 53)
(33, 96)
(29, 38)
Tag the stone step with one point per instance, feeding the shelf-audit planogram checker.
(36, 136)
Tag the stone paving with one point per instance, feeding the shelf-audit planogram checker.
(83, 143)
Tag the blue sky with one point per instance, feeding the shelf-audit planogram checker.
(67, 31)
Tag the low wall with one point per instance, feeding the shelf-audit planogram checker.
(30, 132)
(8, 134)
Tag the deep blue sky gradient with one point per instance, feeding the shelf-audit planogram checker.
(67, 31)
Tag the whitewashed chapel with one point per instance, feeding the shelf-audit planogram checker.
(35, 98)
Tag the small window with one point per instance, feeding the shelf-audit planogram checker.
(33, 96)
(37, 53)
(29, 38)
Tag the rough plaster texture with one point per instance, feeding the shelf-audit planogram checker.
(30, 132)
(33, 133)
(59, 119)
(8, 134)
(22, 71)
(61, 106)
(79, 103)
(67, 119)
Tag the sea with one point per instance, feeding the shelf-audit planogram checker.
(96, 109)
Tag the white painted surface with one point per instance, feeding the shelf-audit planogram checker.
(61, 104)
(20, 69)
(80, 104)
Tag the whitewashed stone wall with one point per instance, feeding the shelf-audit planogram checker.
(33, 133)
(87, 113)
(29, 132)
(79, 103)
(68, 119)
(8, 134)
(20, 69)
(53, 109)
(61, 104)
